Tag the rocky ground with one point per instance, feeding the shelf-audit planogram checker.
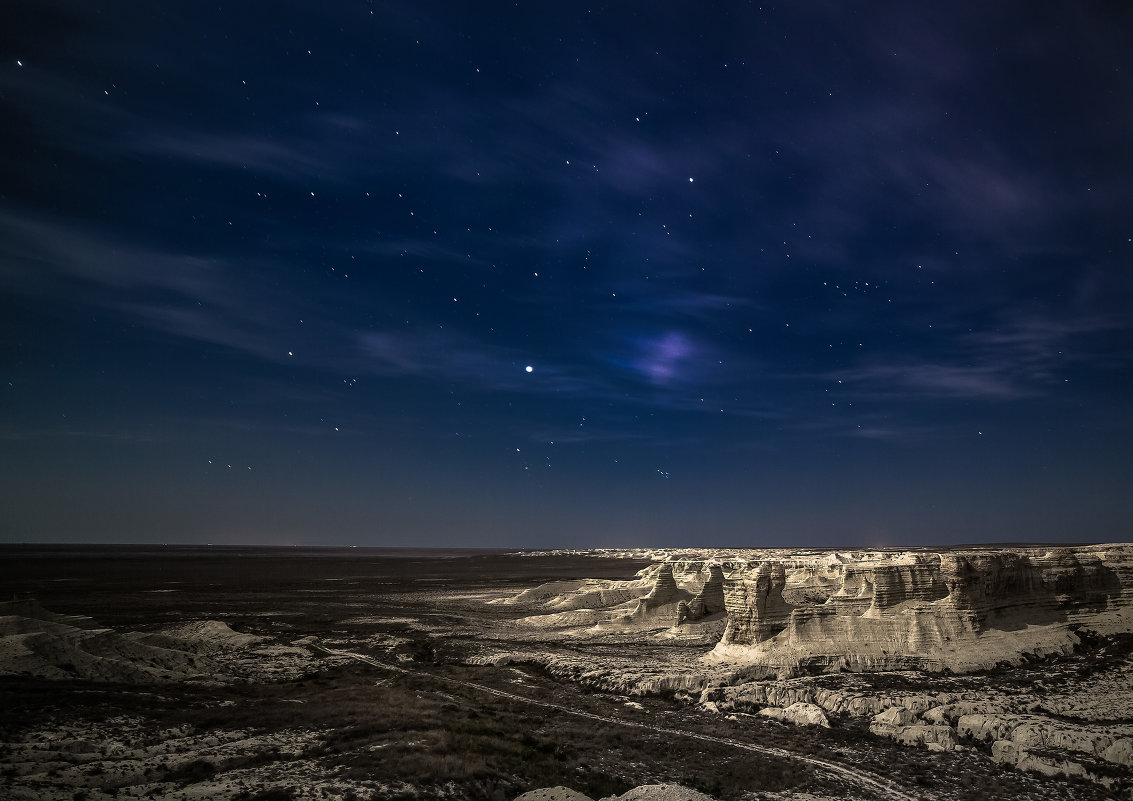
(208, 676)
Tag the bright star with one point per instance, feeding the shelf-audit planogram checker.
(528, 368)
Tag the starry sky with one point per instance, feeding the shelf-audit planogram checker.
(526, 274)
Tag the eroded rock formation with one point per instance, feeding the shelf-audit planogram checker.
(800, 714)
(663, 604)
(710, 599)
(786, 613)
(755, 605)
(956, 610)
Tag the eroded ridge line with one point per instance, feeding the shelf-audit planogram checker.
(861, 778)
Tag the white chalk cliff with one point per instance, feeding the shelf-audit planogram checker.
(796, 612)
(959, 610)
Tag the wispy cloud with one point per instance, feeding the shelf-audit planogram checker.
(1022, 352)
(32, 434)
(682, 303)
(37, 252)
(267, 154)
(457, 358)
(931, 380)
(179, 294)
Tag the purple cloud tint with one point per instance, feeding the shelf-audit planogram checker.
(665, 358)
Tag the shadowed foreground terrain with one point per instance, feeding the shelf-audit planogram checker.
(289, 673)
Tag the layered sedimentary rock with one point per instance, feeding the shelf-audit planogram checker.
(902, 725)
(957, 610)
(785, 613)
(663, 603)
(800, 714)
(755, 606)
(664, 588)
(710, 599)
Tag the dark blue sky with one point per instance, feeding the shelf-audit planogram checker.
(820, 273)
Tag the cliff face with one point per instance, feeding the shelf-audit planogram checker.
(788, 612)
(710, 599)
(755, 606)
(960, 610)
(664, 604)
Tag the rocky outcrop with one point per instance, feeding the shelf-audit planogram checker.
(1036, 733)
(558, 793)
(950, 610)
(1012, 754)
(901, 724)
(950, 713)
(664, 589)
(752, 696)
(660, 792)
(755, 605)
(790, 620)
(708, 601)
(800, 714)
(1120, 752)
(646, 792)
(784, 613)
(661, 606)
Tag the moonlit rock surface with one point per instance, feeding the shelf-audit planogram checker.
(710, 599)
(646, 792)
(553, 794)
(799, 714)
(660, 792)
(959, 610)
(791, 612)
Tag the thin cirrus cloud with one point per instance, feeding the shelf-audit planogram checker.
(698, 305)
(1021, 353)
(455, 358)
(179, 294)
(163, 292)
(932, 380)
(39, 251)
(266, 154)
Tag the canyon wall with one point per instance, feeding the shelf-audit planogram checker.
(959, 609)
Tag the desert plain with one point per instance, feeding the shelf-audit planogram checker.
(349, 673)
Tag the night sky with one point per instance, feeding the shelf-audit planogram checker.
(556, 274)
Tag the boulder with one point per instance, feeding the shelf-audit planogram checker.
(800, 714)
(901, 724)
(894, 716)
(950, 713)
(986, 728)
(553, 794)
(1120, 752)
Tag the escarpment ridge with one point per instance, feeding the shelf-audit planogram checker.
(794, 612)
(954, 610)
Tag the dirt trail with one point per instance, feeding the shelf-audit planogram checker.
(879, 787)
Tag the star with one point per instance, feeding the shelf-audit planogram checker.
(528, 369)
